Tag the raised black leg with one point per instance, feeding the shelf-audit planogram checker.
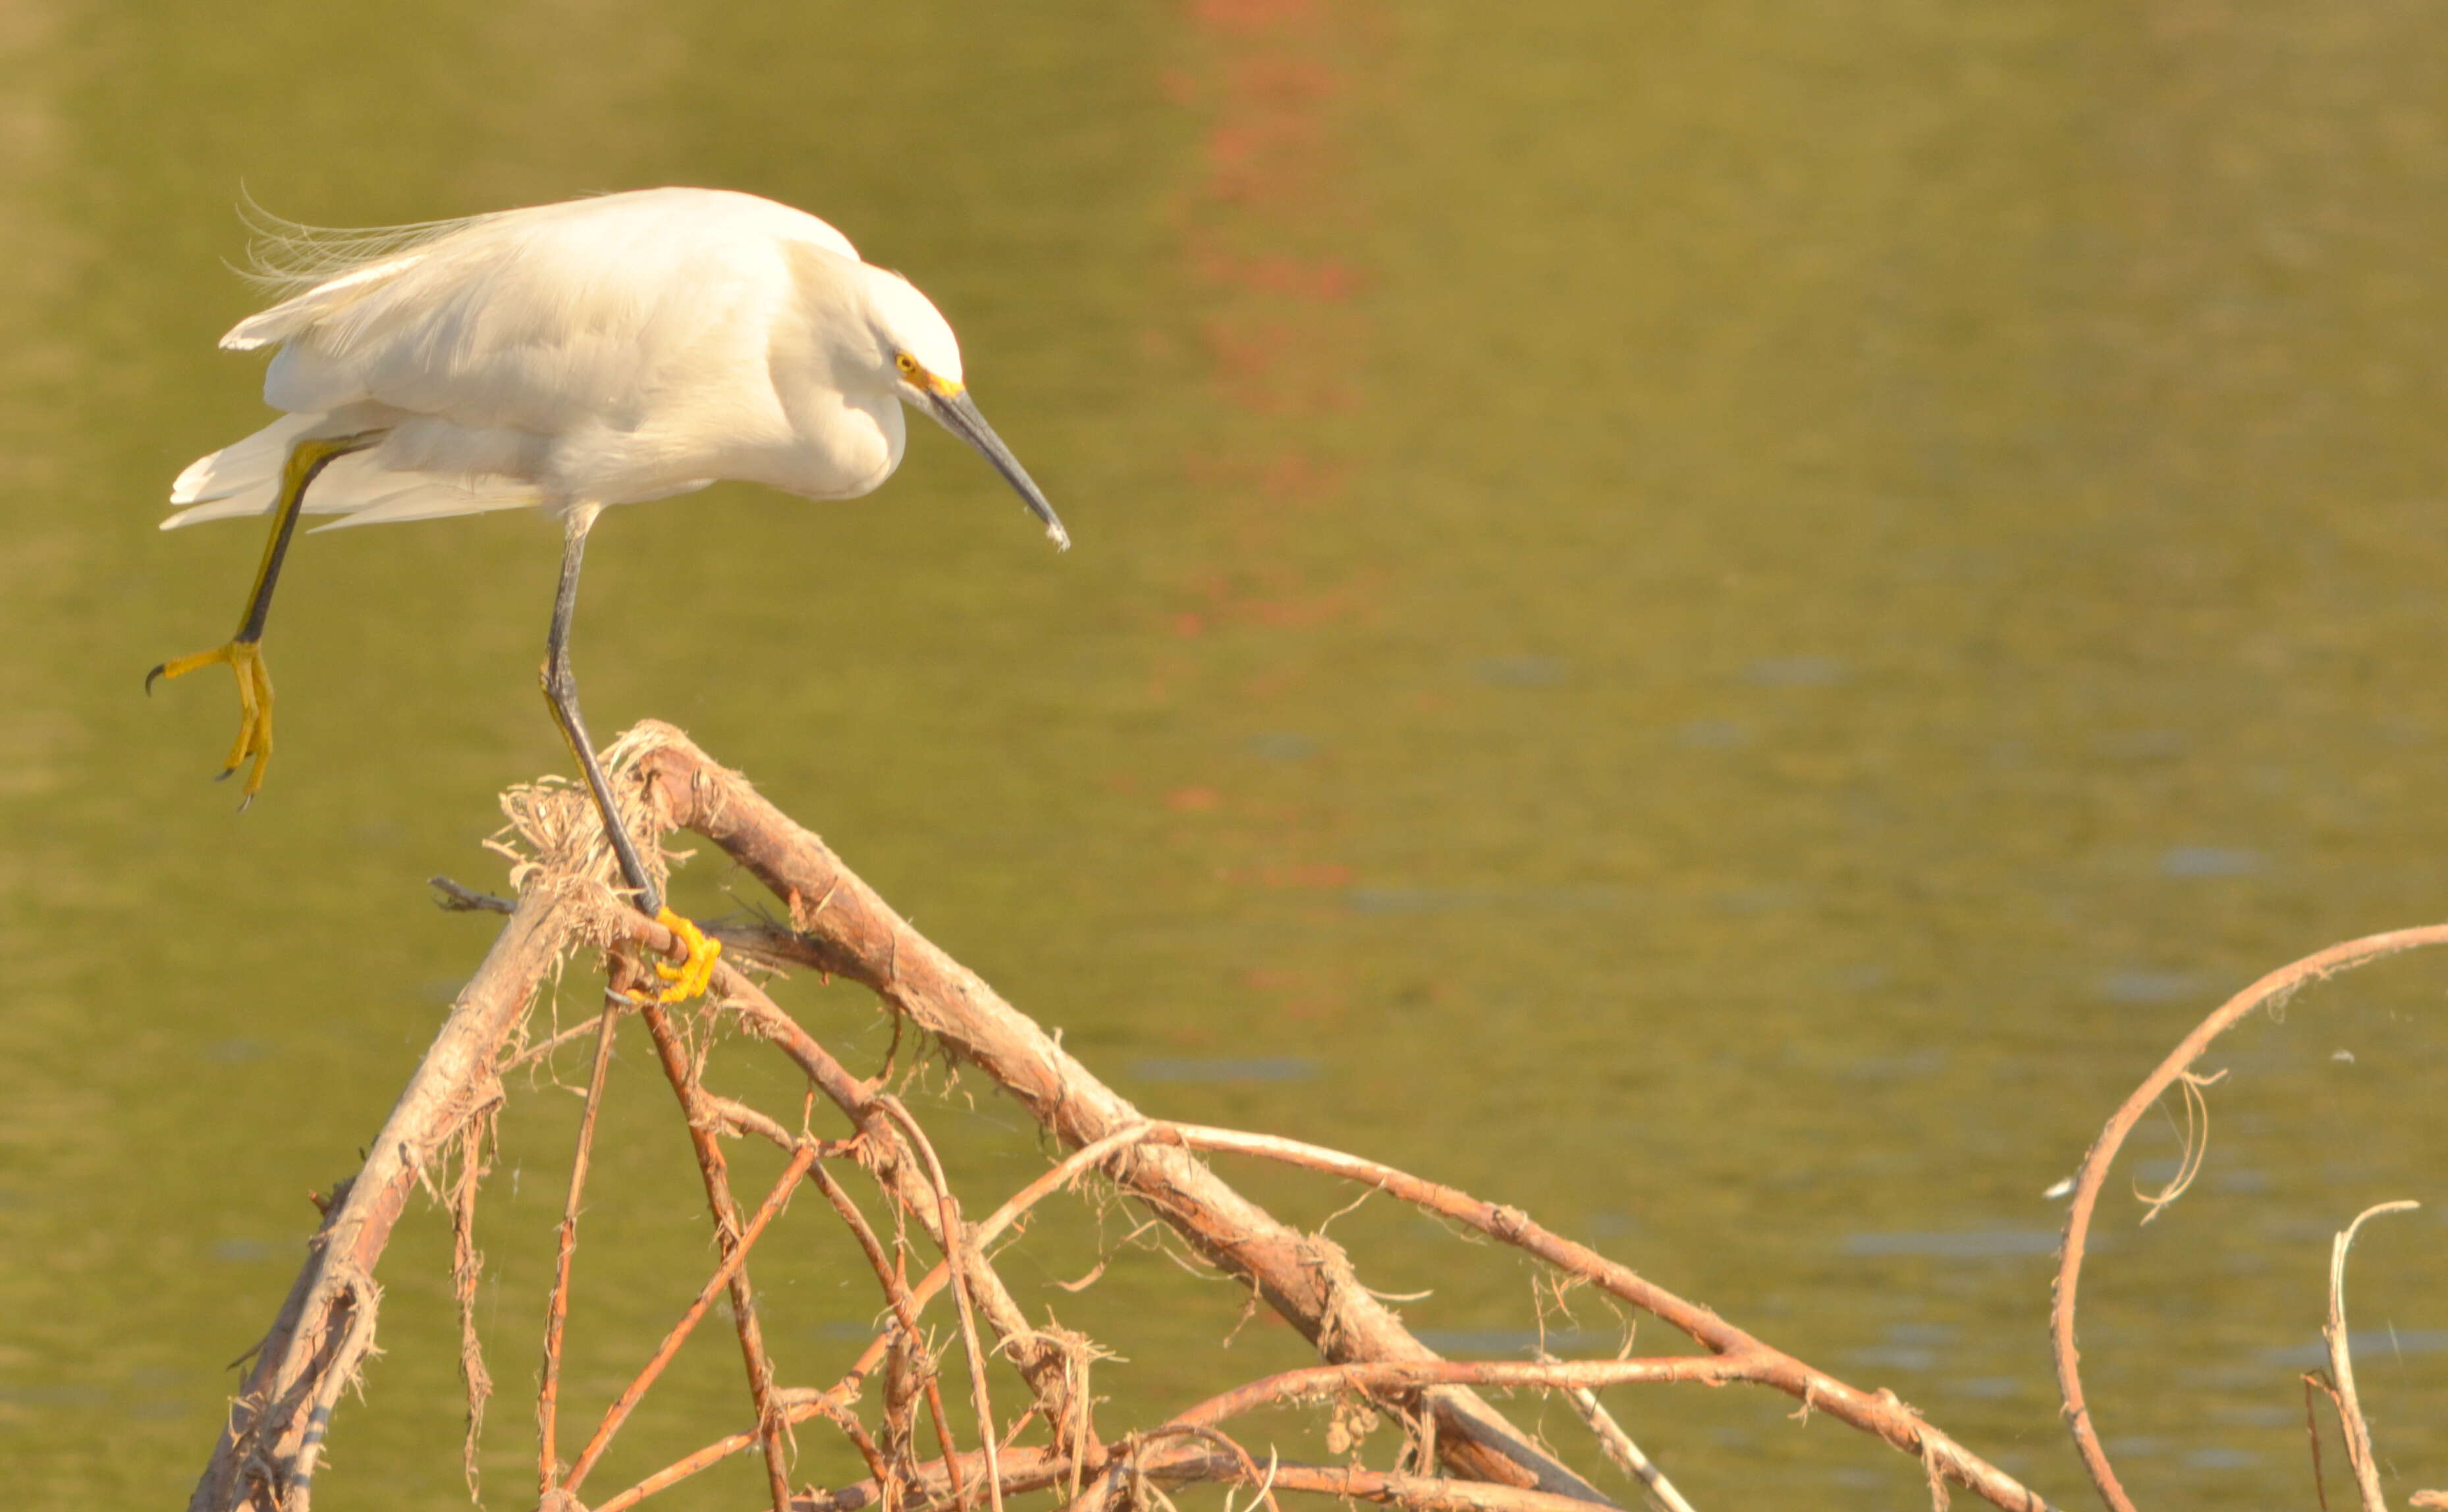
(244, 654)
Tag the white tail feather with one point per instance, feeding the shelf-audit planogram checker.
(244, 479)
(433, 496)
(243, 466)
(218, 509)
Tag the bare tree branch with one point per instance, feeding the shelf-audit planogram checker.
(562, 873)
(2092, 1174)
(272, 1440)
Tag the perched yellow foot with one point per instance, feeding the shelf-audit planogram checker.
(245, 658)
(692, 977)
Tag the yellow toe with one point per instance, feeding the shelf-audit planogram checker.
(254, 743)
(691, 977)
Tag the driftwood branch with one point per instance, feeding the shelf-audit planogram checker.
(272, 1440)
(563, 878)
(843, 928)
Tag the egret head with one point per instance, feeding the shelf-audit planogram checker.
(926, 374)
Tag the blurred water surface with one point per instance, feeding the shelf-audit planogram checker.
(1716, 622)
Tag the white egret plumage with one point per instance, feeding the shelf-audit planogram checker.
(571, 356)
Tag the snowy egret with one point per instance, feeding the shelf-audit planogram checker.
(571, 356)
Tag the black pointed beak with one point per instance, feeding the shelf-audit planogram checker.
(958, 413)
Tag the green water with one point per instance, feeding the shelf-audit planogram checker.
(1718, 621)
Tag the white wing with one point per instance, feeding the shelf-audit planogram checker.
(610, 347)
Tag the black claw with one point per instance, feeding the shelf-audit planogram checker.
(153, 677)
(223, 776)
(244, 803)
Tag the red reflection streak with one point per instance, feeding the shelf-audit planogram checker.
(1250, 359)
(1268, 158)
(1327, 281)
(1267, 226)
(1282, 79)
(1272, 367)
(1247, 16)
(1300, 996)
(1281, 600)
(1290, 477)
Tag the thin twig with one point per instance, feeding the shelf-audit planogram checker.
(458, 899)
(467, 1273)
(796, 1406)
(856, 1099)
(1264, 1481)
(543, 1049)
(1627, 1455)
(730, 1242)
(1088, 1157)
(2342, 1363)
(2317, 1381)
(734, 1259)
(1045, 1368)
(961, 1257)
(732, 1117)
(917, 1297)
(557, 1308)
(904, 1310)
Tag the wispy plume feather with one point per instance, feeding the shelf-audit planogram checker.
(286, 257)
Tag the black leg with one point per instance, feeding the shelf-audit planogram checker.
(307, 460)
(244, 653)
(561, 691)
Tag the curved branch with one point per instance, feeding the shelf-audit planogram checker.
(1881, 1412)
(2093, 1172)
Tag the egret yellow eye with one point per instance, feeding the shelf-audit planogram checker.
(908, 364)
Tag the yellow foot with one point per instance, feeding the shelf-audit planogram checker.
(245, 658)
(692, 977)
